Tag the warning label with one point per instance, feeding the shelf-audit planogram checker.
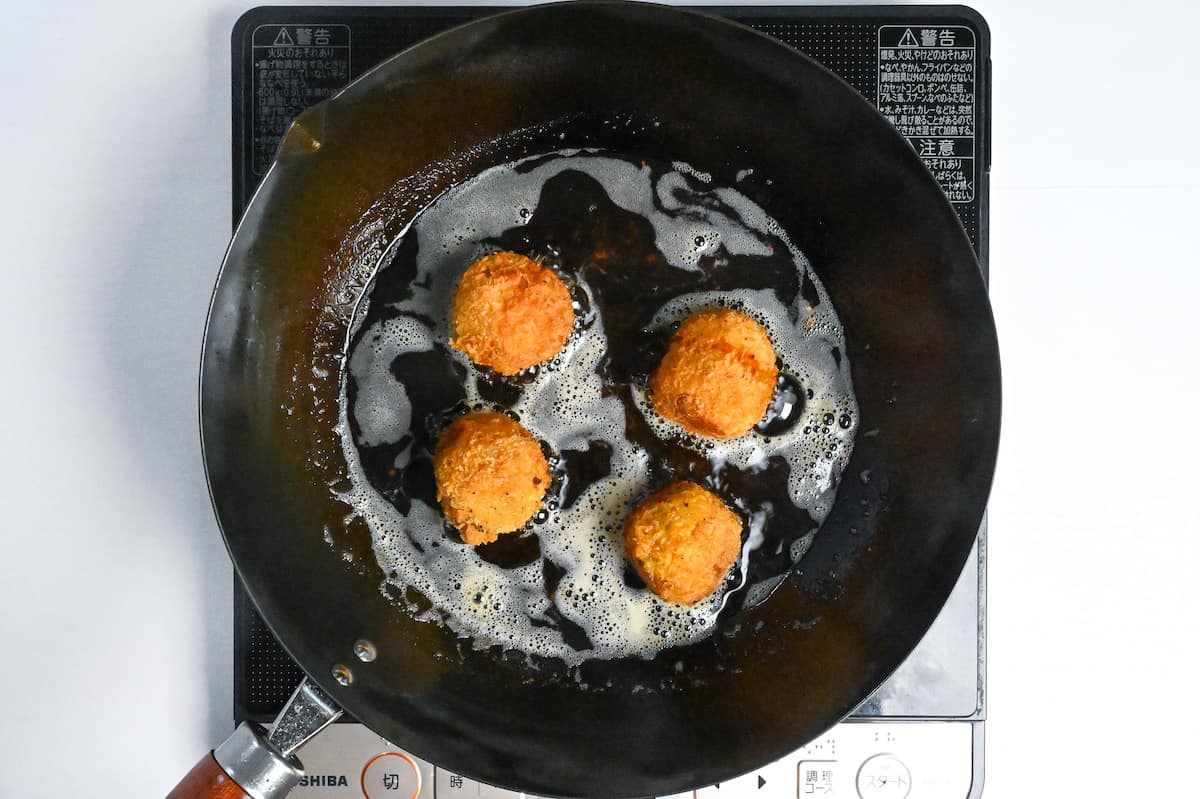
(926, 88)
(295, 66)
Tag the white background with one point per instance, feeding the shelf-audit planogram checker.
(114, 213)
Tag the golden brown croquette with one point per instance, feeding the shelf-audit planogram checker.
(510, 313)
(491, 476)
(682, 541)
(718, 375)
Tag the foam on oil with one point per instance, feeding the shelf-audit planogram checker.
(571, 405)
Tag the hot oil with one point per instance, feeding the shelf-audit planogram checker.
(640, 245)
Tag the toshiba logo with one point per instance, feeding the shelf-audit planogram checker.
(323, 781)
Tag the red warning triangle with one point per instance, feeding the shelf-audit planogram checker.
(284, 39)
(907, 40)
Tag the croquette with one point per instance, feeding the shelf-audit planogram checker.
(718, 375)
(682, 541)
(510, 313)
(491, 476)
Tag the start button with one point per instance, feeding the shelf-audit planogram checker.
(884, 777)
(391, 775)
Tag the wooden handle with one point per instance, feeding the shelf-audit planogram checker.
(207, 780)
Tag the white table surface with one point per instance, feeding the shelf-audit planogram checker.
(114, 212)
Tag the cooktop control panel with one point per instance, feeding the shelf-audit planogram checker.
(856, 760)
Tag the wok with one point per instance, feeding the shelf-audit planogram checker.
(641, 79)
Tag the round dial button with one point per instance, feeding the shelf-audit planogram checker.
(391, 775)
(883, 777)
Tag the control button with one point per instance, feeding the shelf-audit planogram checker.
(391, 775)
(820, 778)
(773, 781)
(454, 786)
(884, 777)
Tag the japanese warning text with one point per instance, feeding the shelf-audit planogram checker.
(927, 90)
(295, 66)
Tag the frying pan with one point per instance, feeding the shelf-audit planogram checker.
(640, 79)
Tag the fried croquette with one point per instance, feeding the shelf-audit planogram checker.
(718, 375)
(491, 476)
(682, 541)
(510, 313)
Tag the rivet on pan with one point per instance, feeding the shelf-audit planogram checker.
(342, 674)
(365, 650)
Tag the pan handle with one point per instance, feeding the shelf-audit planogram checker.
(207, 780)
(245, 766)
(251, 764)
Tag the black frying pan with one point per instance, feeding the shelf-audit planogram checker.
(353, 171)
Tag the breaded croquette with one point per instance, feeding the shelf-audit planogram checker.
(682, 541)
(718, 375)
(510, 313)
(491, 476)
